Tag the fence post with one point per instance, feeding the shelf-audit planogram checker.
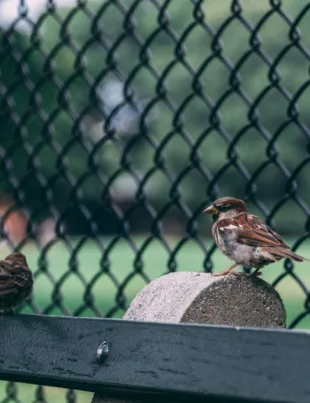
(189, 297)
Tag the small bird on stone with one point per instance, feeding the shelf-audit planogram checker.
(245, 238)
(16, 281)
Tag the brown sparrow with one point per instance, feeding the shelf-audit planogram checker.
(16, 281)
(245, 238)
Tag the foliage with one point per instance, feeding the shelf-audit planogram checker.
(185, 92)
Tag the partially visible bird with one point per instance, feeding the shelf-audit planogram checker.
(16, 281)
(245, 238)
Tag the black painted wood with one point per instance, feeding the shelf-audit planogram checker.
(170, 359)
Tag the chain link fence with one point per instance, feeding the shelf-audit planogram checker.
(121, 120)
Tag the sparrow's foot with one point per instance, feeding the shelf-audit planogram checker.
(227, 271)
(256, 272)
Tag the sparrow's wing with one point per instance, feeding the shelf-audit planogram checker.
(7, 280)
(251, 230)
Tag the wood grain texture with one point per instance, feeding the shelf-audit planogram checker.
(169, 359)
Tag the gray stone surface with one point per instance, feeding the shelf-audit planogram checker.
(240, 300)
(188, 297)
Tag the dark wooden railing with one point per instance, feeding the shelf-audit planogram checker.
(170, 361)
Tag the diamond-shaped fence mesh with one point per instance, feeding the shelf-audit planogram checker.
(121, 120)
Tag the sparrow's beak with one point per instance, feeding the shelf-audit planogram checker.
(211, 210)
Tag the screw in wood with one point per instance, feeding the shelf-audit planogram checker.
(102, 352)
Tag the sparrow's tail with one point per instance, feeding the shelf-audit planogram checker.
(287, 253)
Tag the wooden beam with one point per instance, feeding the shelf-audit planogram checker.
(170, 360)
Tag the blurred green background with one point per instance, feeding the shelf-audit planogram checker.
(95, 98)
(116, 115)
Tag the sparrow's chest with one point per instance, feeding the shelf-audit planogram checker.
(225, 240)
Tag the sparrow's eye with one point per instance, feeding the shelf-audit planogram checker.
(224, 208)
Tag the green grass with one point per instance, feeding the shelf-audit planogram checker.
(121, 261)
(153, 263)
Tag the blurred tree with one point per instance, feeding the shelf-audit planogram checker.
(185, 89)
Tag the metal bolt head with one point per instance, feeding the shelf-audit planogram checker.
(102, 352)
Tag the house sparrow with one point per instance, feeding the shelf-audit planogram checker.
(16, 281)
(245, 238)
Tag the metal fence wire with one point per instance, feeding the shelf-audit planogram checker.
(121, 120)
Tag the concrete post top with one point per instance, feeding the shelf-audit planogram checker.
(235, 300)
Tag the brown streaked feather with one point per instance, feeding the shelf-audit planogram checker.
(16, 259)
(258, 238)
(8, 291)
(279, 254)
(5, 285)
(8, 281)
(4, 275)
(16, 281)
(257, 223)
(252, 231)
